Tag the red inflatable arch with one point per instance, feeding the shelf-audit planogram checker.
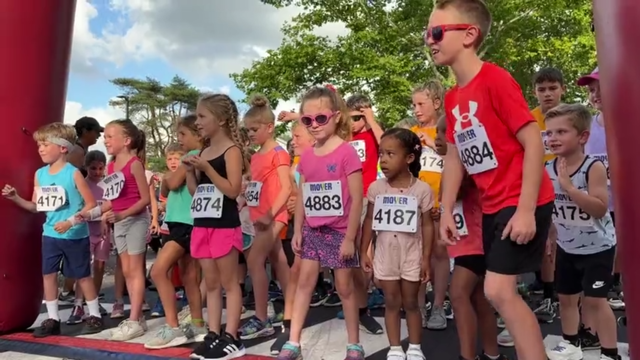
(35, 42)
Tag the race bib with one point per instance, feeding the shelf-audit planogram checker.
(397, 213)
(605, 160)
(361, 149)
(252, 193)
(206, 202)
(430, 160)
(50, 198)
(566, 212)
(476, 152)
(322, 199)
(460, 221)
(112, 185)
(547, 150)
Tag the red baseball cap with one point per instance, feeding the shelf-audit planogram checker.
(587, 79)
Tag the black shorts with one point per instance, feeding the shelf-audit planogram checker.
(591, 274)
(288, 251)
(242, 259)
(180, 233)
(507, 257)
(477, 264)
(613, 217)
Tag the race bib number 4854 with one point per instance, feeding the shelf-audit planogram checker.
(50, 198)
(206, 202)
(112, 185)
(252, 193)
(397, 213)
(322, 199)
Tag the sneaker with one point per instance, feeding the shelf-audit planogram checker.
(77, 314)
(535, 288)
(48, 327)
(615, 301)
(194, 333)
(415, 353)
(605, 357)
(93, 325)
(448, 310)
(166, 337)
(118, 311)
(249, 299)
(225, 348)
(282, 339)
(354, 352)
(437, 320)
(199, 352)
(545, 311)
(505, 339)
(500, 323)
(275, 318)
(290, 351)
(425, 316)
(275, 293)
(127, 330)
(158, 309)
(588, 340)
(564, 351)
(319, 297)
(67, 297)
(484, 356)
(622, 321)
(184, 316)
(145, 306)
(375, 300)
(369, 324)
(333, 300)
(396, 353)
(254, 328)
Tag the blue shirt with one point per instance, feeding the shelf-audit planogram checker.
(74, 202)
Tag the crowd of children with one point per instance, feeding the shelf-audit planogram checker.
(464, 182)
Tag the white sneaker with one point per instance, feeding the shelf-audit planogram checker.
(415, 353)
(166, 337)
(564, 351)
(505, 339)
(184, 316)
(128, 330)
(396, 354)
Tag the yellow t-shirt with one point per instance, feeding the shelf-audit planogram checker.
(430, 177)
(539, 117)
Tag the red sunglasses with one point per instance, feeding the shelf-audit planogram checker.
(320, 119)
(437, 32)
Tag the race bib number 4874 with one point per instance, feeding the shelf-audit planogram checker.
(112, 185)
(50, 198)
(206, 202)
(397, 213)
(322, 199)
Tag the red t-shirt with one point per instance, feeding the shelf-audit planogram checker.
(496, 100)
(368, 149)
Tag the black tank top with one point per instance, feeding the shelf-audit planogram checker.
(230, 216)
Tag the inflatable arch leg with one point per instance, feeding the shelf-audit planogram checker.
(35, 40)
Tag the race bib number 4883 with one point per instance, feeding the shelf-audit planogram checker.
(206, 202)
(50, 198)
(322, 199)
(112, 185)
(397, 213)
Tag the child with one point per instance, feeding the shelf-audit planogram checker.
(495, 139)
(428, 107)
(176, 250)
(473, 311)
(127, 188)
(366, 139)
(407, 123)
(586, 234)
(327, 215)
(405, 235)
(549, 87)
(266, 196)
(61, 192)
(214, 179)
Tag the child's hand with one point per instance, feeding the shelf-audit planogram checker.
(154, 226)
(435, 214)
(296, 243)
(347, 249)
(427, 141)
(286, 116)
(368, 114)
(521, 228)
(448, 231)
(197, 162)
(9, 192)
(62, 227)
(425, 267)
(563, 175)
(291, 205)
(365, 262)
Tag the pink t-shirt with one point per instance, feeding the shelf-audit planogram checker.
(96, 191)
(337, 165)
(421, 190)
(130, 193)
(470, 244)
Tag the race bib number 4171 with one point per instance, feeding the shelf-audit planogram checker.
(50, 198)
(322, 199)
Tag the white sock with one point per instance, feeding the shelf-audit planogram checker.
(94, 307)
(415, 346)
(78, 302)
(52, 309)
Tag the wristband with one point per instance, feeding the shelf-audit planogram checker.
(95, 213)
(74, 220)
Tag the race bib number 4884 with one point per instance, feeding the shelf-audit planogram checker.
(322, 199)
(475, 150)
(112, 185)
(206, 202)
(50, 198)
(397, 213)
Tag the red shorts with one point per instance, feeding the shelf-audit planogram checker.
(209, 243)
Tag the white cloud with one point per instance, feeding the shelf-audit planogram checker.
(74, 111)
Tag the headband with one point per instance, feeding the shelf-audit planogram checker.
(60, 142)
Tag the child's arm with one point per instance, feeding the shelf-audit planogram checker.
(367, 231)
(292, 200)
(137, 170)
(452, 175)
(85, 191)
(595, 201)
(26, 204)
(154, 203)
(232, 184)
(173, 180)
(192, 181)
(298, 217)
(428, 234)
(356, 191)
(529, 137)
(164, 188)
(284, 175)
(372, 123)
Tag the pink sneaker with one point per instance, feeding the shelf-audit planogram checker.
(118, 311)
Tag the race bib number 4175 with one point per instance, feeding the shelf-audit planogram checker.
(112, 185)
(50, 198)
(397, 213)
(322, 199)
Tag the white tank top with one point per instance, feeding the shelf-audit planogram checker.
(578, 232)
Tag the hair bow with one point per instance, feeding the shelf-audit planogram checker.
(330, 87)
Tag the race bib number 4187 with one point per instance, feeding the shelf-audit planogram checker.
(112, 185)
(397, 213)
(322, 199)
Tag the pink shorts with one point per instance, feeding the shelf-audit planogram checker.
(209, 243)
(100, 248)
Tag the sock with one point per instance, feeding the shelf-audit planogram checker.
(52, 309)
(363, 311)
(197, 322)
(78, 302)
(286, 324)
(616, 279)
(396, 348)
(547, 290)
(538, 276)
(612, 353)
(415, 346)
(94, 307)
(572, 339)
(492, 357)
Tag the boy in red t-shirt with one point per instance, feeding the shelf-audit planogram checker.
(494, 138)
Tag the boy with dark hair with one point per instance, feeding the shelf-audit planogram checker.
(493, 136)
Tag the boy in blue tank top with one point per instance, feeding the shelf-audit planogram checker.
(61, 192)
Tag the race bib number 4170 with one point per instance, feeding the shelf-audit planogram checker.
(322, 199)
(50, 198)
(397, 213)
(112, 185)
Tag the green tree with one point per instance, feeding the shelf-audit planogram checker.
(156, 108)
(383, 54)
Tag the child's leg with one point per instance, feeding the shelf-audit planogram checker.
(189, 272)
(412, 314)
(214, 293)
(463, 283)
(78, 259)
(130, 237)
(169, 256)
(392, 305)
(119, 281)
(231, 286)
(100, 257)
(486, 320)
(440, 282)
(262, 245)
(345, 288)
(280, 263)
(51, 258)
(306, 284)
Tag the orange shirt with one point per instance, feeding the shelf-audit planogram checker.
(429, 176)
(264, 171)
(539, 116)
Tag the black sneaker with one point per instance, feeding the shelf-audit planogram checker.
(545, 311)
(249, 300)
(48, 327)
(588, 341)
(622, 321)
(77, 315)
(282, 339)
(210, 339)
(225, 348)
(333, 300)
(68, 297)
(319, 296)
(93, 325)
(370, 325)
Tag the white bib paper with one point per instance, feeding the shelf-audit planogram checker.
(397, 213)
(431, 161)
(547, 150)
(112, 185)
(252, 193)
(206, 202)
(566, 212)
(476, 152)
(50, 198)
(605, 160)
(322, 199)
(361, 149)
(460, 221)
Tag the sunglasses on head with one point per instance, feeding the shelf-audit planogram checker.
(356, 118)
(320, 119)
(437, 32)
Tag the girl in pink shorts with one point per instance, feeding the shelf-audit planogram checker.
(399, 211)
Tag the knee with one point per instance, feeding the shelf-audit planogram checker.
(409, 303)
(440, 253)
(345, 287)
(458, 296)
(159, 272)
(497, 294)
(393, 302)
